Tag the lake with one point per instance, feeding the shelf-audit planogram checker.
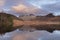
(26, 35)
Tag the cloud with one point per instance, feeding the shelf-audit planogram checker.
(54, 8)
(48, 5)
(10, 3)
(39, 3)
(32, 6)
(25, 9)
(2, 3)
(19, 8)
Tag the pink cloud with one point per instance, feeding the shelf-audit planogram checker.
(2, 2)
(25, 9)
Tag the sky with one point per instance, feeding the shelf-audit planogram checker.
(37, 7)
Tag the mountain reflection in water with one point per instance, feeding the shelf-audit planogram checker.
(36, 35)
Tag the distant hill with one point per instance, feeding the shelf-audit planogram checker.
(49, 17)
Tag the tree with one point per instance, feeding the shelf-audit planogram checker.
(31, 14)
(50, 15)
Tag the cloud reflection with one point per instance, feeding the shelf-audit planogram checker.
(36, 35)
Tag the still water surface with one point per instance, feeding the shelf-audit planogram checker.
(36, 35)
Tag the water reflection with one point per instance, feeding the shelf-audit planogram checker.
(36, 35)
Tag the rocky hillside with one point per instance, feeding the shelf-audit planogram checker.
(6, 22)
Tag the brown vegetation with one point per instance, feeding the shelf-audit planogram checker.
(10, 22)
(6, 22)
